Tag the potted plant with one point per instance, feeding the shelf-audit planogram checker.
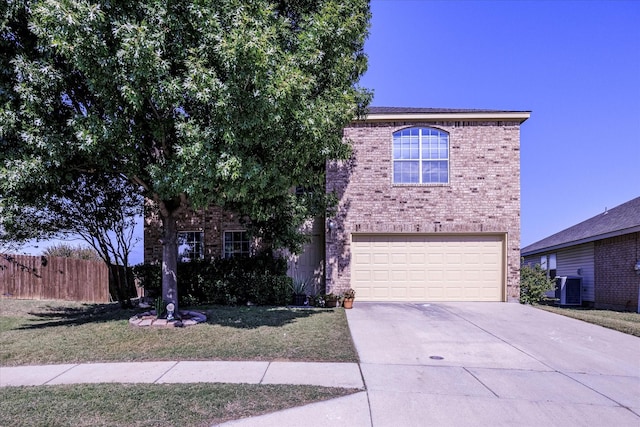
(349, 296)
(298, 290)
(331, 300)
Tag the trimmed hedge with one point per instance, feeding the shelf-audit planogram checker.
(261, 280)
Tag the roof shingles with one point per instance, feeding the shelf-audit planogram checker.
(622, 219)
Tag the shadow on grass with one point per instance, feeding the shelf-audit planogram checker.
(239, 317)
(55, 316)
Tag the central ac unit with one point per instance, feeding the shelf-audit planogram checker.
(569, 290)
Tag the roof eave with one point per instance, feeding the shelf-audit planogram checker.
(517, 116)
(582, 241)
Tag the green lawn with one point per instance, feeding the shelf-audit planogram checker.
(45, 332)
(151, 404)
(622, 321)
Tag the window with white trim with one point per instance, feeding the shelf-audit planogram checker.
(190, 245)
(420, 156)
(549, 264)
(236, 243)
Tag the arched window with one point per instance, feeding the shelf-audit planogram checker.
(420, 156)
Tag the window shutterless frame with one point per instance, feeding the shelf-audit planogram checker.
(190, 245)
(236, 243)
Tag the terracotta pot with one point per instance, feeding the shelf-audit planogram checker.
(348, 303)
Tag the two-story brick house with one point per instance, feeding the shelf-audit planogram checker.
(429, 210)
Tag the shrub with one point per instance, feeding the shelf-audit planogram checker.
(68, 251)
(148, 276)
(261, 279)
(534, 284)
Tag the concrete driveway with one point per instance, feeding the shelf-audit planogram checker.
(493, 364)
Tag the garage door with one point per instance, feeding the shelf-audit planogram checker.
(427, 267)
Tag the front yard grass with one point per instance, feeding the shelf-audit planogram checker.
(621, 321)
(150, 404)
(46, 332)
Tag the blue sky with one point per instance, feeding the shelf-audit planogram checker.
(574, 64)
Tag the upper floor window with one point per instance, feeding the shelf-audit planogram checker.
(236, 243)
(420, 156)
(190, 245)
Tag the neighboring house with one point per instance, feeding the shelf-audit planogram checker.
(429, 210)
(603, 251)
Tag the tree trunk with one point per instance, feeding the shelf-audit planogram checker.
(120, 284)
(170, 261)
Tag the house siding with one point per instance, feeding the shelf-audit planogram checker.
(532, 260)
(483, 195)
(616, 281)
(578, 261)
(309, 264)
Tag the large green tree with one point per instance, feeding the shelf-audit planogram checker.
(228, 102)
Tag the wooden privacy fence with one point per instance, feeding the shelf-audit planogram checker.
(40, 277)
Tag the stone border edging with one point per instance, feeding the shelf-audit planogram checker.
(148, 318)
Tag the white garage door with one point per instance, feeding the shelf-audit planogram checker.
(427, 267)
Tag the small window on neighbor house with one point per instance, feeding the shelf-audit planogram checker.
(420, 156)
(236, 243)
(548, 264)
(190, 245)
(543, 262)
(552, 266)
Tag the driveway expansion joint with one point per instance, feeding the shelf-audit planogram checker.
(481, 382)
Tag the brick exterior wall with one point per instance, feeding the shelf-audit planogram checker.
(483, 194)
(212, 221)
(616, 282)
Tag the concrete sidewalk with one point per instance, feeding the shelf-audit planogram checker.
(345, 375)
